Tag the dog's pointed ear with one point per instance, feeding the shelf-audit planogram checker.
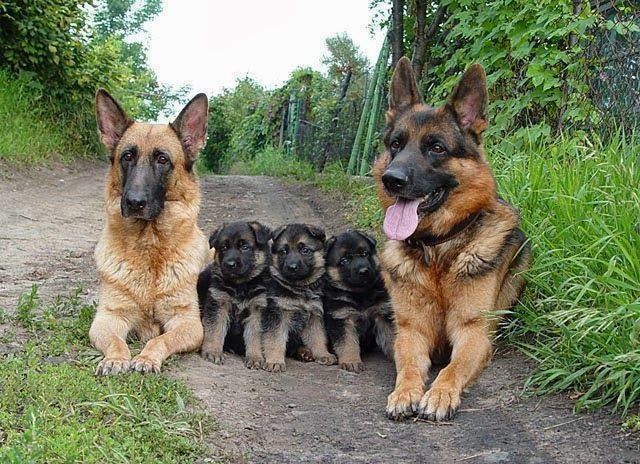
(368, 238)
(191, 127)
(316, 232)
(469, 100)
(215, 235)
(111, 118)
(403, 92)
(261, 232)
(328, 245)
(278, 232)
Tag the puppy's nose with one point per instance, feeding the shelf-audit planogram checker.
(136, 203)
(394, 180)
(230, 263)
(292, 266)
(364, 272)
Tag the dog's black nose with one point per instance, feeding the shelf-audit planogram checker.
(292, 266)
(136, 203)
(394, 180)
(230, 263)
(364, 272)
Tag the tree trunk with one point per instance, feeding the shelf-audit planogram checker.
(424, 35)
(397, 31)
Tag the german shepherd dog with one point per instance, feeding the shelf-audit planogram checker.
(358, 313)
(151, 249)
(233, 292)
(293, 320)
(455, 251)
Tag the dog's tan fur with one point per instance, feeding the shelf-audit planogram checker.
(442, 295)
(149, 269)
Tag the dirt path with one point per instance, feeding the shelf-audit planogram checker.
(50, 221)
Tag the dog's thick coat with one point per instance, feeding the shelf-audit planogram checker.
(464, 256)
(358, 313)
(151, 249)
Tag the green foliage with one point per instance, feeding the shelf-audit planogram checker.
(272, 162)
(53, 409)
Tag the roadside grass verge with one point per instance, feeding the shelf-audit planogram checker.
(580, 206)
(29, 133)
(53, 409)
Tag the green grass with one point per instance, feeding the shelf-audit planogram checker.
(53, 409)
(29, 131)
(580, 205)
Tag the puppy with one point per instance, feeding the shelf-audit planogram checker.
(357, 308)
(232, 291)
(294, 313)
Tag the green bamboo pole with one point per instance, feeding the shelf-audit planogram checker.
(375, 111)
(364, 117)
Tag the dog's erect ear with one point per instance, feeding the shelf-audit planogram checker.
(368, 238)
(404, 92)
(261, 232)
(329, 244)
(278, 232)
(316, 232)
(191, 127)
(469, 99)
(215, 235)
(112, 120)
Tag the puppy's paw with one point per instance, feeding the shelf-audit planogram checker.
(274, 366)
(327, 360)
(113, 366)
(305, 354)
(145, 365)
(439, 404)
(356, 367)
(216, 357)
(403, 403)
(253, 363)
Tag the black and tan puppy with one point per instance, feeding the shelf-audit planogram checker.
(293, 319)
(358, 312)
(233, 292)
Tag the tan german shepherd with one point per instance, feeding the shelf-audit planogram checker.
(151, 250)
(455, 251)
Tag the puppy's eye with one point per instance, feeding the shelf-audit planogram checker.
(162, 159)
(127, 156)
(283, 251)
(344, 260)
(365, 253)
(245, 247)
(305, 250)
(438, 148)
(224, 247)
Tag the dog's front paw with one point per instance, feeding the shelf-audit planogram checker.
(112, 366)
(253, 363)
(356, 367)
(439, 404)
(145, 365)
(327, 360)
(216, 357)
(305, 354)
(274, 366)
(403, 403)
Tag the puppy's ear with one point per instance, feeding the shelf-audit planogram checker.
(261, 232)
(278, 232)
(329, 244)
(191, 127)
(368, 238)
(403, 92)
(316, 232)
(469, 100)
(112, 120)
(215, 235)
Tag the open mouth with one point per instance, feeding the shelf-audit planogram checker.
(402, 218)
(433, 200)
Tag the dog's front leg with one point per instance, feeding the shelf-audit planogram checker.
(216, 314)
(346, 343)
(275, 334)
(108, 334)
(252, 335)
(182, 332)
(314, 337)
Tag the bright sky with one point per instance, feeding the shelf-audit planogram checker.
(210, 43)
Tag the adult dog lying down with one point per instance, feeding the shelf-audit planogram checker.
(151, 250)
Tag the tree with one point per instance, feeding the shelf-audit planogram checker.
(397, 31)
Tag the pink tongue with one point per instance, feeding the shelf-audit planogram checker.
(401, 219)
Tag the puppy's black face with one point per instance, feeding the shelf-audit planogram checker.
(298, 251)
(241, 249)
(351, 260)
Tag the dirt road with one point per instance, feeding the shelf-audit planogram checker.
(49, 222)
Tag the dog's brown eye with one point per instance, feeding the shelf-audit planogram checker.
(344, 261)
(162, 159)
(127, 156)
(365, 253)
(395, 145)
(245, 247)
(305, 250)
(437, 148)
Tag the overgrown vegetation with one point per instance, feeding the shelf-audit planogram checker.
(59, 52)
(53, 409)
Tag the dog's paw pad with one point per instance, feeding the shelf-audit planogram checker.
(253, 363)
(439, 404)
(328, 360)
(145, 365)
(274, 367)
(356, 367)
(403, 403)
(113, 366)
(213, 357)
